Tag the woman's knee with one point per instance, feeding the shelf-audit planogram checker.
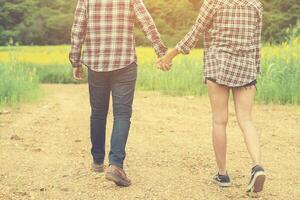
(220, 120)
(244, 121)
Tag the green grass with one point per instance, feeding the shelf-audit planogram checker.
(280, 81)
(18, 83)
(278, 84)
(185, 78)
(55, 73)
(25, 67)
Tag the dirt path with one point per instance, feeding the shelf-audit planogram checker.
(44, 150)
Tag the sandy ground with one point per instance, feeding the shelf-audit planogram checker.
(44, 150)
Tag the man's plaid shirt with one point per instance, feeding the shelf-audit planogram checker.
(104, 29)
(232, 40)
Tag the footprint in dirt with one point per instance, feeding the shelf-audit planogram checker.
(16, 137)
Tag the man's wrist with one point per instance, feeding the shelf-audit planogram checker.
(76, 65)
(160, 48)
(161, 54)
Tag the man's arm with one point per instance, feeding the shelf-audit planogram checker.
(78, 33)
(203, 21)
(149, 27)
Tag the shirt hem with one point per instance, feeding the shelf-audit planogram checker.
(226, 84)
(110, 69)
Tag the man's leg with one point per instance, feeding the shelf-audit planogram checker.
(123, 87)
(99, 99)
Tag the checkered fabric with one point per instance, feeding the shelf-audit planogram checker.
(104, 29)
(232, 40)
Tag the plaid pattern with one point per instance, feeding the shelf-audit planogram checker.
(232, 40)
(104, 30)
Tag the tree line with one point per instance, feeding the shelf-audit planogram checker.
(48, 22)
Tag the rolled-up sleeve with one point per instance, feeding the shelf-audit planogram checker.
(78, 33)
(202, 23)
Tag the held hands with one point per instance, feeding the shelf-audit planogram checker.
(165, 63)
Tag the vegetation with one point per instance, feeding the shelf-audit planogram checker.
(279, 83)
(48, 22)
(18, 82)
(41, 22)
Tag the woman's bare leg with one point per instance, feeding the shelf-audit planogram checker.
(244, 101)
(219, 103)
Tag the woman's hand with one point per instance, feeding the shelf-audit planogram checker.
(165, 63)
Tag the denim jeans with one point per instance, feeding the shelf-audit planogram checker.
(121, 84)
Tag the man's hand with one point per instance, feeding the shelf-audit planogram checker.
(165, 63)
(78, 73)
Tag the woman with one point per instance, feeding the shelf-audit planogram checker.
(232, 41)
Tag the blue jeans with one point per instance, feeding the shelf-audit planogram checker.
(121, 83)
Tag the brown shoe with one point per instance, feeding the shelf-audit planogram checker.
(118, 176)
(97, 168)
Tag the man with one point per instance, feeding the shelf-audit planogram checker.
(104, 29)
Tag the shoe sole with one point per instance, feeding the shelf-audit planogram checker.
(257, 183)
(222, 184)
(117, 180)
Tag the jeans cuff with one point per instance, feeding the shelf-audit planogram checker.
(99, 162)
(116, 164)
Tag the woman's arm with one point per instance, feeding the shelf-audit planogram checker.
(202, 23)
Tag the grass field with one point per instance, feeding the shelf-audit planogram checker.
(22, 68)
(18, 82)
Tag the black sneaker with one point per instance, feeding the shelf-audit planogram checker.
(257, 180)
(222, 180)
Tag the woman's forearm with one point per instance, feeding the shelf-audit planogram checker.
(173, 53)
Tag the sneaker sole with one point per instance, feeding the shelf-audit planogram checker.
(257, 183)
(222, 184)
(117, 180)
